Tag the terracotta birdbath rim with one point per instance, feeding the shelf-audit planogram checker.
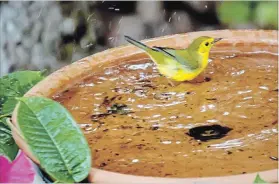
(72, 74)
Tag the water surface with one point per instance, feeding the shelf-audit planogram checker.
(136, 123)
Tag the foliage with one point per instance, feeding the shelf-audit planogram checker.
(13, 85)
(234, 12)
(16, 85)
(47, 127)
(259, 180)
(262, 13)
(266, 15)
(54, 138)
(8, 147)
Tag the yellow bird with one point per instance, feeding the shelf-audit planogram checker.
(180, 64)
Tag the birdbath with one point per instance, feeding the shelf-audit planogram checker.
(142, 130)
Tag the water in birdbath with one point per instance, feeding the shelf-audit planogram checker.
(137, 123)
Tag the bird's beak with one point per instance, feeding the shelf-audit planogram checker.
(217, 40)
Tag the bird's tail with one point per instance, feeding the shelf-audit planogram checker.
(137, 43)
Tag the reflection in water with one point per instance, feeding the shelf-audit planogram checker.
(228, 144)
(246, 141)
(166, 142)
(242, 95)
(135, 160)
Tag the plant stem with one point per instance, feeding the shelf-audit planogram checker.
(44, 72)
(14, 128)
(5, 115)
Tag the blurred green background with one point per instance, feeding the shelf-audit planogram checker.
(49, 35)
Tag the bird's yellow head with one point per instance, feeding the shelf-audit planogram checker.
(203, 44)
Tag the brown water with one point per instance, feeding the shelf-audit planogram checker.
(149, 135)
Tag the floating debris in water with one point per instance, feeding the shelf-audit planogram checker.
(208, 132)
(207, 79)
(116, 108)
(108, 100)
(229, 152)
(274, 158)
(119, 109)
(103, 164)
(163, 96)
(154, 128)
(211, 98)
(96, 117)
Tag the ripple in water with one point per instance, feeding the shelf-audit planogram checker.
(241, 95)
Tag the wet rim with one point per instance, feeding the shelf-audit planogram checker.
(256, 40)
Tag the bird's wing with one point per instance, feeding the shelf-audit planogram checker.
(181, 56)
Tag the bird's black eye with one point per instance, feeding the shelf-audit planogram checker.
(206, 44)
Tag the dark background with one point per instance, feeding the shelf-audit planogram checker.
(49, 35)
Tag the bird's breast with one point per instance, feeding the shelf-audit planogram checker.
(203, 61)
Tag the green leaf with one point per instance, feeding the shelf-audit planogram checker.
(16, 85)
(13, 85)
(234, 12)
(8, 147)
(266, 15)
(54, 138)
(258, 179)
